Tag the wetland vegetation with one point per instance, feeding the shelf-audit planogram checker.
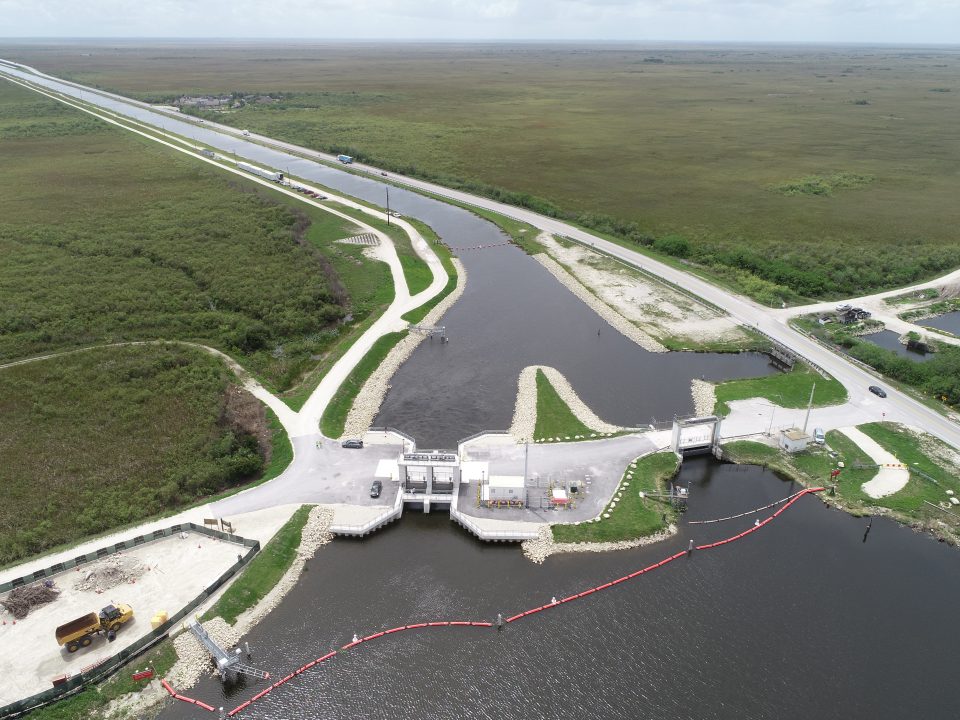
(677, 156)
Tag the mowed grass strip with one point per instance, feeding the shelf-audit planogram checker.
(335, 414)
(554, 417)
(633, 517)
(788, 390)
(264, 571)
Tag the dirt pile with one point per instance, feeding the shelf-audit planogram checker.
(109, 572)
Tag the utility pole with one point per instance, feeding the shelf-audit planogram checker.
(388, 203)
(809, 405)
(526, 460)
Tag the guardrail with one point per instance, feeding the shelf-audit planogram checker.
(374, 524)
(108, 667)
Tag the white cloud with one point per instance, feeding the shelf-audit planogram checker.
(694, 20)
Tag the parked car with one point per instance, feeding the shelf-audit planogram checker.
(352, 443)
(376, 488)
(844, 307)
(395, 213)
(384, 174)
(878, 391)
(819, 437)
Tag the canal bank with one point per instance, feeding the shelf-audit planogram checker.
(789, 607)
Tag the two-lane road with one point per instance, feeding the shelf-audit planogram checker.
(897, 406)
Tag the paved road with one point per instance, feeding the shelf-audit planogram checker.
(897, 406)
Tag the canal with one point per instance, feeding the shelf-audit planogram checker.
(513, 314)
(801, 619)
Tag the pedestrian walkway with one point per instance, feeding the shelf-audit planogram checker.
(892, 475)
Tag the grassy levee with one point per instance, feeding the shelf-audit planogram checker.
(554, 417)
(789, 389)
(813, 467)
(263, 572)
(335, 414)
(633, 517)
(446, 259)
(810, 213)
(909, 449)
(92, 701)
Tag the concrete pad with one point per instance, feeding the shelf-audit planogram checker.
(474, 471)
(179, 570)
(888, 480)
(389, 469)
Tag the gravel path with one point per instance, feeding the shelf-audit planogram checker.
(525, 410)
(374, 390)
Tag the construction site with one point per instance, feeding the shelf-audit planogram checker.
(67, 607)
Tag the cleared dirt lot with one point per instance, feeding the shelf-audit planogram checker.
(29, 655)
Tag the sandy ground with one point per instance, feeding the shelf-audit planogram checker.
(29, 655)
(525, 409)
(888, 480)
(653, 307)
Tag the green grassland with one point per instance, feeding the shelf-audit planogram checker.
(106, 437)
(633, 517)
(264, 571)
(554, 417)
(107, 237)
(788, 390)
(786, 172)
(813, 467)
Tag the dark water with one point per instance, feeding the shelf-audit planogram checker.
(799, 620)
(890, 340)
(949, 322)
(513, 314)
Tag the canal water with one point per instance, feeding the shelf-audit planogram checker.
(801, 619)
(949, 322)
(890, 340)
(513, 314)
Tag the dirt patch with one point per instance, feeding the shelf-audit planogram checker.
(653, 307)
(246, 415)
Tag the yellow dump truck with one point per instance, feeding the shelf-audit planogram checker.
(79, 633)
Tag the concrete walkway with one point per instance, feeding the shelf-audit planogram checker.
(888, 480)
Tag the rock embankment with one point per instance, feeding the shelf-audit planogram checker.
(704, 397)
(374, 390)
(525, 410)
(609, 315)
(544, 546)
(193, 661)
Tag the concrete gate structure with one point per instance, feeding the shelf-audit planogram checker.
(695, 436)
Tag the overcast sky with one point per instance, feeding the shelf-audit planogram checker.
(891, 21)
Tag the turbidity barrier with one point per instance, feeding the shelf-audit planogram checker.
(748, 512)
(357, 641)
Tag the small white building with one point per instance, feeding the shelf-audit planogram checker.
(505, 488)
(793, 440)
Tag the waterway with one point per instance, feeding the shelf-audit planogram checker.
(949, 322)
(513, 314)
(801, 619)
(890, 340)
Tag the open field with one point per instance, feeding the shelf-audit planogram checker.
(99, 439)
(787, 389)
(108, 237)
(554, 417)
(820, 171)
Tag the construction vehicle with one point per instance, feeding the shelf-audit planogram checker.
(79, 633)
